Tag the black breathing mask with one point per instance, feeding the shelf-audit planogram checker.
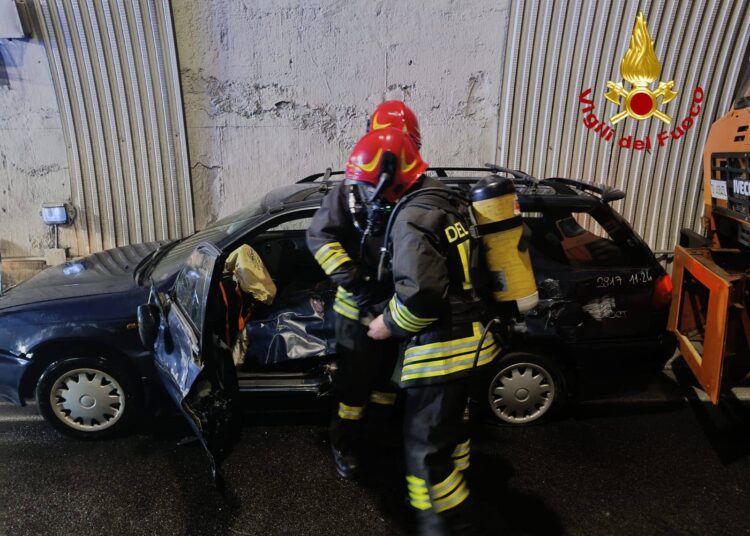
(369, 209)
(370, 215)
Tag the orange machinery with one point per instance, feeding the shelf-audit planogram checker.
(711, 273)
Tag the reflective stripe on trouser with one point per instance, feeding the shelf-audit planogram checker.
(353, 413)
(440, 359)
(442, 496)
(435, 444)
(383, 398)
(461, 455)
(365, 367)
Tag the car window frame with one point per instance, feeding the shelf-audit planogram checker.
(265, 224)
(180, 309)
(623, 237)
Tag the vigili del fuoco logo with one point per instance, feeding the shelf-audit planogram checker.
(640, 68)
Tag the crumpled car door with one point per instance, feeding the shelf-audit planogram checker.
(194, 364)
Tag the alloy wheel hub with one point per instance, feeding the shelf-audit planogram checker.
(87, 399)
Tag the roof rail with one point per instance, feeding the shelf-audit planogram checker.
(315, 176)
(607, 193)
(440, 171)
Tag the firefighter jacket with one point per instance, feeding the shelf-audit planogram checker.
(337, 245)
(435, 306)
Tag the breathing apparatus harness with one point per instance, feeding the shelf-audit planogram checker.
(385, 251)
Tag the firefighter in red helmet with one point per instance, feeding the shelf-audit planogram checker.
(396, 114)
(346, 236)
(436, 312)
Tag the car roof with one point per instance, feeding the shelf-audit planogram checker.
(533, 195)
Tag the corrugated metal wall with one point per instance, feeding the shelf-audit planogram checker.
(557, 49)
(115, 73)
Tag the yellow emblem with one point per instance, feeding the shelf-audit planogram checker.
(376, 125)
(372, 164)
(406, 168)
(641, 68)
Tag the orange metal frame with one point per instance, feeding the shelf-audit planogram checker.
(707, 366)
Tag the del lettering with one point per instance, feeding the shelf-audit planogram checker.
(627, 142)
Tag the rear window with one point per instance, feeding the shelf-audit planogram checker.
(579, 240)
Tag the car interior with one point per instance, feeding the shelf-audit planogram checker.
(561, 240)
(296, 332)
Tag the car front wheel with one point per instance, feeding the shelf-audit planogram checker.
(524, 388)
(87, 398)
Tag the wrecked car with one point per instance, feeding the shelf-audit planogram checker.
(69, 336)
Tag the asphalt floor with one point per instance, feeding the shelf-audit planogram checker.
(626, 465)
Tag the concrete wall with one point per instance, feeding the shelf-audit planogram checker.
(33, 161)
(274, 90)
(278, 89)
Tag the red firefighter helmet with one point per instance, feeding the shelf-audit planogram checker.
(396, 114)
(385, 154)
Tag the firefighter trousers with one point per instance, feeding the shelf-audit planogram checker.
(362, 383)
(436, 444)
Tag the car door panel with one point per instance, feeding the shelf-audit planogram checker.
(193, 363)
(174, 355)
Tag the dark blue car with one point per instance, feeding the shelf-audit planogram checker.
(69, 336)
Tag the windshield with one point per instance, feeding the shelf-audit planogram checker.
(213, 234)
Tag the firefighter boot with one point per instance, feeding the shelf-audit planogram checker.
(345, 434)
(450, 523)
(347, 463)
(431, 524)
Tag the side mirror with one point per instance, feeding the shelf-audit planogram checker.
(148, 324)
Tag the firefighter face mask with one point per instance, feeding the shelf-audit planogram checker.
(370, 215)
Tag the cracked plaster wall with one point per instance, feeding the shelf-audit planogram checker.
(277, 89)
(273, 90)
(33, 161)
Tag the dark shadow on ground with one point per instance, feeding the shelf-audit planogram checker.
(502, 509)
(208, 510)
(726, 426)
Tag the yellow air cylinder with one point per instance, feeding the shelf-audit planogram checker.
(495, 207)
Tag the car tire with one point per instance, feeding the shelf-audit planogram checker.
(522, 388)
(88, 397)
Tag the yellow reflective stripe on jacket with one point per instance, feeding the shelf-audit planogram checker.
(455, 350)
(445, 348)
(345, 296)
(424, 349)
(352, 413)
(405, 319)
(345, 304)
(419, 495)
(461, 455)
(326, 250)
(450, 492)
(443, 367)
(330, 256)
(346, 311)
(464, 251)
(383, 398)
